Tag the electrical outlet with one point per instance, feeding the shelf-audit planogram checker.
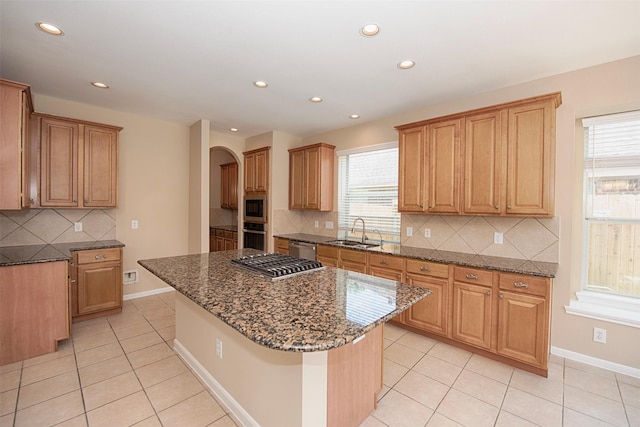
(130, 277)
(77, 226)
(328, 225)
(134, 224)
(409, 231)
(498, 238)
(427, 233)
(316, 224)
(600, 335)
(219, 348)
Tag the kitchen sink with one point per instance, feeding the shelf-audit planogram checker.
(353, 244)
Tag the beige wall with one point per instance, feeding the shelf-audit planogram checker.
(153, 179)
(199, 187)
(607, 88)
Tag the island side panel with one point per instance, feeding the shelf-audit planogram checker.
(265, 385)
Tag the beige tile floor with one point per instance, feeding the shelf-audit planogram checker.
(121, 371)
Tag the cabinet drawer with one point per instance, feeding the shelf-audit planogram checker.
(385, 261)
(282, 244)
(98, 255)
(227, 234)
(427, 268)
(473, 275)
(525, 284)
(327, 251)
(353, 256)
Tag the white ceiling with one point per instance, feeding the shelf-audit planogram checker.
(185, 60)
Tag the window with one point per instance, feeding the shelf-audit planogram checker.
(368, 189)
(612, 204)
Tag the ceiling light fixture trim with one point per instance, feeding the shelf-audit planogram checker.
(261, 84)
(315, 99)
(49, 28)
(233, 129)
(370, 30)
(354, 116)
(406, 64)
(100, 85)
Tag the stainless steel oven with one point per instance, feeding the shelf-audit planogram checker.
(255, 235)
(255, 208)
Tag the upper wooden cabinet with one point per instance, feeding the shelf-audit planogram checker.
(15, 111)
(498, 160)
(256, 170)
(229, 186)
(311, 177)
(78, 163)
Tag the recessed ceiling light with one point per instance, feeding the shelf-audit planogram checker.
(234, 129)
(354, 116)
(49, 28)
(100, 85)
(405, 65)
(260, 84)
(315, 99)
(370, 30)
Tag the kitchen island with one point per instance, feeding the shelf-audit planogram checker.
(304, 350)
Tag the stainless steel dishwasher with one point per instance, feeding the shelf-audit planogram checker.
(302, 250)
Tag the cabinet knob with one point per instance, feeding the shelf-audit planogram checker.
(430, 206)
(500, 296)
(423, 268)
(520, 285)
(497, 207)
(508, 206)
(383, 261)
(399, 276)
(488, 293)
(471, 276)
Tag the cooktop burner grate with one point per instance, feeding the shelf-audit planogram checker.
(277, 265)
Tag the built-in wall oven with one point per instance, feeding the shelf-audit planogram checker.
(255, 221)
(255, 235)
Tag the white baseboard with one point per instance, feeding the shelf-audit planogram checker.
(148, 293)
(594, 361)
(236, 411)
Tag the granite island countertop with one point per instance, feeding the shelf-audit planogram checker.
(509, 265)
(31, 254)
(314, 311)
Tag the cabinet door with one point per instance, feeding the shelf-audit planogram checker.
(14, 107)
(483, 164)
(385, 273)
(531, 159)
(219, 243)
(261, 183)
(249, 172)
(327, 261)
(312, 178)
(99, 287)
(353, 266)
(443, 142)
(411, 176)
(224, 186)
(472, 314)
(522, 326)
(296, 180)
(100, 167)
(430, 313)
(58, 163)
(233, 186)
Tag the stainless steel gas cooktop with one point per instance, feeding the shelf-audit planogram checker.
(277, 266)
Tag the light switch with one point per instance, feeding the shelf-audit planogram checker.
(498, 238)
(316, 224)
(427, 232)
(77, 226)
(409, 231)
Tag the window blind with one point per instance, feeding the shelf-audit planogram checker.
(368, 189)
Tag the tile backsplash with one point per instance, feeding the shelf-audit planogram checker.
(533, 239)
(39, 226)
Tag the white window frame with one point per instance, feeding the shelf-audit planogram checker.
(366, 149)
(613, 308)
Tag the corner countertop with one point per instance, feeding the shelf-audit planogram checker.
(31, 254)
(314, 311)
(509, 265)
(224, 227)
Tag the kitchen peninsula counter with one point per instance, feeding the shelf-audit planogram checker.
(31, 254)
(508, 265)
(305, 350)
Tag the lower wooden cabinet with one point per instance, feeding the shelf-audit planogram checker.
(222, 240)
(281, 245)
(96, 283)
(353, 260)
(327, 255)
(431, 313)
(472, 314)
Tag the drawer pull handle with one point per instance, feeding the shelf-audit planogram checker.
(423, 268)
(488, 293)
(100, 256)
(471, 276)
(72, 281)
(520, 285)
(497, 207)
(383, 261)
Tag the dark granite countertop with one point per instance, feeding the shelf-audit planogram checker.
(314, 311)
(31, 254)
(224, 227)
(509, 265)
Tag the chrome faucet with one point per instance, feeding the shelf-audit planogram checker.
(375, 230)
(364, 236)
